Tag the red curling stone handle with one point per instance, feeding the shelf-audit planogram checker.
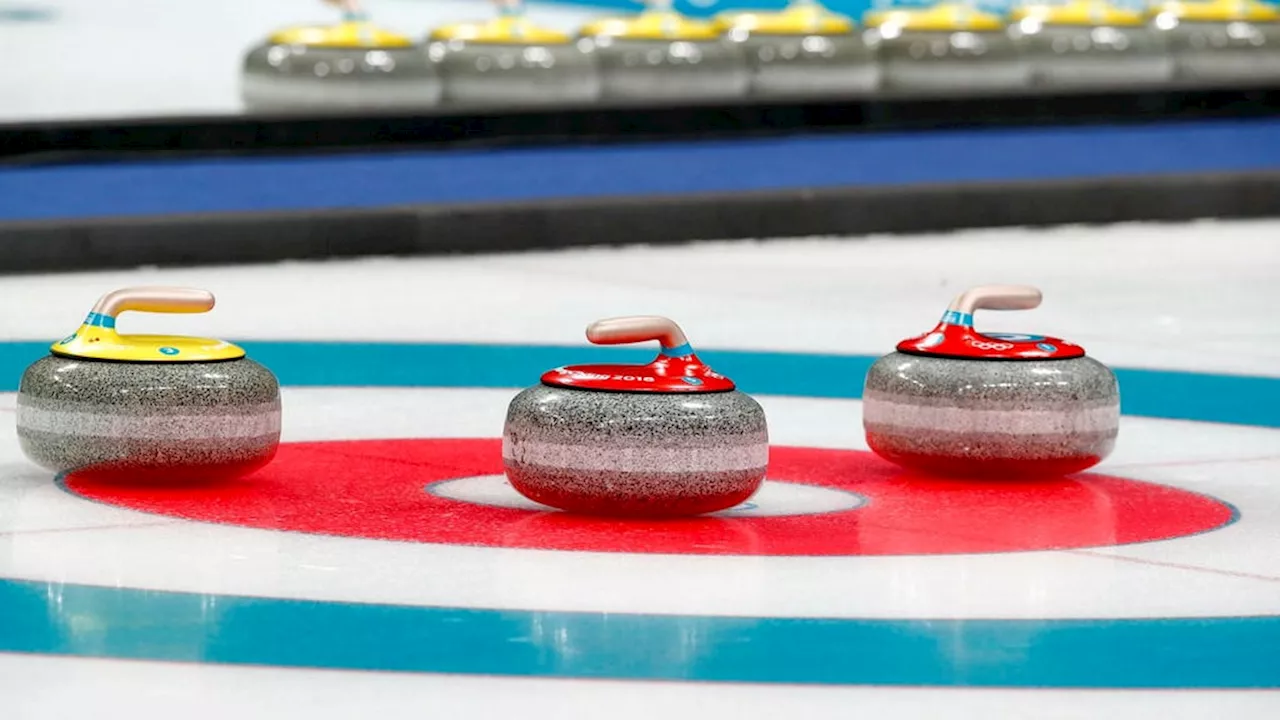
(643, 328)
(996, 297)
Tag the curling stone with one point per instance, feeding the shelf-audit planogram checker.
(958, 402)
(148, 407)
(665, 439)
(946, 49)
(1090, 44)
(660, 55)
(353, 65)
(803, 51)
(1222, 41)
(511, 61)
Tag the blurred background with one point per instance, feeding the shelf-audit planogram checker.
(809, 95)
(100, 59)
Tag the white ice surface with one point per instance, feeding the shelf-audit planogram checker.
(1198, 296)
(1193, 297)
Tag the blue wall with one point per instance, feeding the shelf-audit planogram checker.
(295, 183)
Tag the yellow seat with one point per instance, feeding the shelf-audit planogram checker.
(354, 35)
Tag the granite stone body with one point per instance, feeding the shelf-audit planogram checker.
(149, 421)
(1224, 52)
(810, 65)
(950, 62)
(991, 417)
(1095, 56)
(514, 74)
(283, 77)
(620, 453)
(642, 69)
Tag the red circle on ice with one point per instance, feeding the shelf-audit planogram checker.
(378, 489)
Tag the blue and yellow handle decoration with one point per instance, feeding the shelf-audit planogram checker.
(97, 338)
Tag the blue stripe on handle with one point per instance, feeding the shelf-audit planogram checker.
(100, 320)
(682, 351)
(954, 317)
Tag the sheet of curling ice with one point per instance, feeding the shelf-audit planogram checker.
(957, 401)
(669, 438)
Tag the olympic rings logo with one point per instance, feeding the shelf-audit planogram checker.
(990, 346)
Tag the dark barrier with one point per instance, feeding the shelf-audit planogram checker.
(89, 141)
(480, 228)
(62, 210)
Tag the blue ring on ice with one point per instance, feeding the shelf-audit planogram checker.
(1205, 652)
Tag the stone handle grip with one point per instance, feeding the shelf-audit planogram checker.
(617, 331)
(155, 299)
(996, 297)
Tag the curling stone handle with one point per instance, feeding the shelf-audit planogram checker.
(617, 331)
(155, 299)
(996, 297)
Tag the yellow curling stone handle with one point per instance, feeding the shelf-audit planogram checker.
(1080, 13)
(947, 17)
(803, 17)
(1219, 11)
(658, 22)
(97, 338)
